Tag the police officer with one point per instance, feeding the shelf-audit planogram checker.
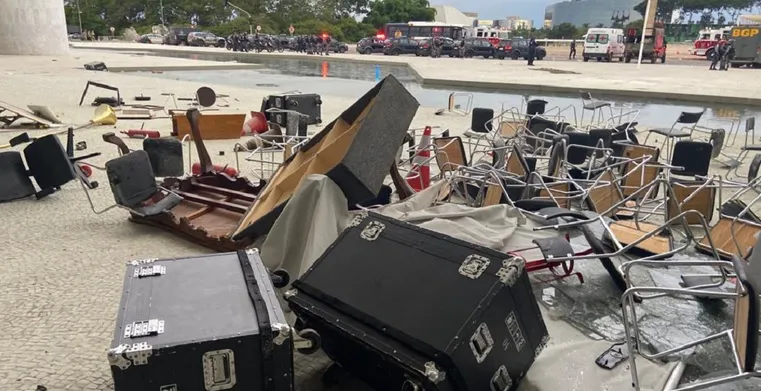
(572, 53)
(718, 53)
(328, 41)
(435, 42)
(729, 52)
(531, 51)
(462, 48)
(244, 44)
(319, 42)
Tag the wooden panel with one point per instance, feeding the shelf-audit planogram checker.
(627, 232)
(604, 196)
(493, 195)
(450, 153)
(514, 165)
(213, 126)
(561, 192)
(703, 202)
(634, 181)
(721, 233)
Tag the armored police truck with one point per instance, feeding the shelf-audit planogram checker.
(747, 42)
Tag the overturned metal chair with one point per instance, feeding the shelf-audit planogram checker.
(47, 162)
(134, 186)
(744, 334)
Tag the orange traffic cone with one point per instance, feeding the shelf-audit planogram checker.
(419, 177)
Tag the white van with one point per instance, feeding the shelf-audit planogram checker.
(604, 44)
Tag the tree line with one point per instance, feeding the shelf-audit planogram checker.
(348, 20)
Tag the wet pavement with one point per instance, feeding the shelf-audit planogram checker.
(594, 307)
(349, 79)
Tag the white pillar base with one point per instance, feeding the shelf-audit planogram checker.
(33, 27)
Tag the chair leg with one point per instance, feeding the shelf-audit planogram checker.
(740, 158)
(666, 144)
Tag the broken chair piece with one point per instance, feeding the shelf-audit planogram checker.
(48, 163)
(134, 186)
(112, 101)
(213, 203)
(10, 114)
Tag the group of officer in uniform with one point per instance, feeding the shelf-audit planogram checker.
(313, 44)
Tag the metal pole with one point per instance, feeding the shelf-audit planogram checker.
(79, 14)
(644, 29)
(250, 26)
(161, 8)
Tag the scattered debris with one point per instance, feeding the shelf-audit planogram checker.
(111, 101)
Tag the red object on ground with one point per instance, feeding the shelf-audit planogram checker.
(196, 169)
(419, 177)
(87, 170)
(142, 133)
(256, 124)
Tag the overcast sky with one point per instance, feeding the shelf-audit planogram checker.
(490, 9)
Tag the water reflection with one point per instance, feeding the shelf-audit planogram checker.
(352, 79)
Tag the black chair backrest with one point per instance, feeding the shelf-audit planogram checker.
(536, 106)
(481, 120)
(717, 141)
(557, 155)
(755, 164)
(578, 155)
(48, 162)
(131, 178)
(693, 156)
(750, 124)
(689, 118)
(586, 95)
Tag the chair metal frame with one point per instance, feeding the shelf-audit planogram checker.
(669, 140)
(641, 293)
(587, 98)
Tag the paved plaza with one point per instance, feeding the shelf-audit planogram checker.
(63, 265)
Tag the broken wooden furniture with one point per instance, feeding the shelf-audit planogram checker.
(214, 126)
(742, 337)
(628, 232)
(47, 162)
(355, 151)
(213, 203)
(10, 114)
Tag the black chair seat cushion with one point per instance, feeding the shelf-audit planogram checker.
(14, 179)
(670, 132)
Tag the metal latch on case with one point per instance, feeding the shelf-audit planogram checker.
(149, 271)
(144, 328)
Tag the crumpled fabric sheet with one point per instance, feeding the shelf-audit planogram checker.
(317, 213)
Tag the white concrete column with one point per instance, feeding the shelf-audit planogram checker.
(33, 27)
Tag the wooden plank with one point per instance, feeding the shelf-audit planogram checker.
(627, 232)
(225, 192)
(211, 202)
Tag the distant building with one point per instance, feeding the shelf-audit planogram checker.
(517, 23)
(591, 12)
(451, 15)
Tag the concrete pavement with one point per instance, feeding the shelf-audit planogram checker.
(662, 81)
